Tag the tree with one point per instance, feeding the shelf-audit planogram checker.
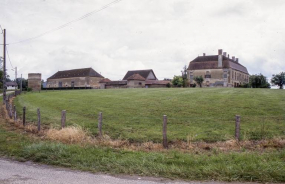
(24, 83)
(278, 79)
(177, 81)
(258, 81)
(199, 80)
(184, 76)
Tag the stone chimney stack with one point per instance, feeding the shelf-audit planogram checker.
(237, 60)
(220, 51)
(220, 58)
(204, 54)
(233, 58)
(228, 56)
(225, 54)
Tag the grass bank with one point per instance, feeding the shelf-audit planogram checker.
(210, 165)
(206, 114)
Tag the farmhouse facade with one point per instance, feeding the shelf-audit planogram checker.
(135, 79)
(11, 85)
(85, 77)
(218, 70)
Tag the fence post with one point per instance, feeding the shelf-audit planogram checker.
(237, 130)
(100, 124)
(39, 119)
(10, 110)
(24, 116)
(15, 114)
(164, 133)
(63, 118)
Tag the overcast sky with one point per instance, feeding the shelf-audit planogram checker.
(163, 35)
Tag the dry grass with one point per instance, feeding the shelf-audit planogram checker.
(68, 135)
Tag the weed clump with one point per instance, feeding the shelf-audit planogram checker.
(68, 135)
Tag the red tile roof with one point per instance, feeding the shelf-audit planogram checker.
(105, 80)
(136, 77)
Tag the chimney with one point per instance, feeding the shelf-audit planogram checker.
(233, 58)
(220, 51)
(220, 58)
(237, 60)
(204, 54)
(225, 54)
(228, 56)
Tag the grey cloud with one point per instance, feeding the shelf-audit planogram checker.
(160, 34)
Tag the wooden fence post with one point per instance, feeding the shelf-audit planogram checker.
(24, 116)
(15, 114)
(39, 119)
(164, 133)
(100, 124)
(63, 118)
(237, 130)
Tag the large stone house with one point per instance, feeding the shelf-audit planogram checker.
(135, 79)
(218, 70)
(85, 77)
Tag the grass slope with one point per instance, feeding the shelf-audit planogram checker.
(136, 114)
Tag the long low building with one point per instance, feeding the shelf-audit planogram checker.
(218, 70)
(135, 79)
(85, 77)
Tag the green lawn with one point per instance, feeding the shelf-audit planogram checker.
(136, 114)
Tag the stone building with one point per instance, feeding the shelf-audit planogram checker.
(85, 77)
(135, 79)
(218, 70)
(35, 81)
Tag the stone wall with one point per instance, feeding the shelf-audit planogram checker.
(35, 81)
(219, 77)
(136, 84)
(74, 82)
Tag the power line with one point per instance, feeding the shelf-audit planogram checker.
(1, 29)
(9, 57)
(68, 23)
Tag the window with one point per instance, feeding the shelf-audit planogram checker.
(140, 83)
(208, 74)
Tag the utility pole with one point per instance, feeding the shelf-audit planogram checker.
(15, 79)
(21, 83)
(4, 67)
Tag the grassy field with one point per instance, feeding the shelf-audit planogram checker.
(206, 114)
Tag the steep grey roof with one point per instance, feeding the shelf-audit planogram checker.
(211, 62)
(143, 73)
(83, 72)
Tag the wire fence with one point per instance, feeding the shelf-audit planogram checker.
(156, 128)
